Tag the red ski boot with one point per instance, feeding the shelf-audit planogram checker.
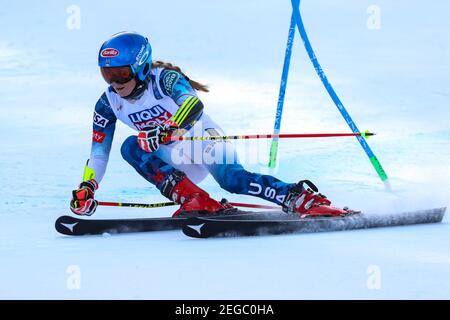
(193, 200)
(310, 203)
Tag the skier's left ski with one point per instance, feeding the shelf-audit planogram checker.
(74, 226)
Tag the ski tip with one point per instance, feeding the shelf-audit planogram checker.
(439, 213)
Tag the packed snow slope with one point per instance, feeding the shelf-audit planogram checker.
(394, 80)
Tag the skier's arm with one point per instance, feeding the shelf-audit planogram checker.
(104, 125)
(180, 90)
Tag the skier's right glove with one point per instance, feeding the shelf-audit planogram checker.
(150, 139)
(83, 202)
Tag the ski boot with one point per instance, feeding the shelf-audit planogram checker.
(194, 201)
(307, 202)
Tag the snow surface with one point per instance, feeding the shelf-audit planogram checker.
(394, 81)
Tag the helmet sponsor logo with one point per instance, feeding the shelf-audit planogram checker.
(109, 52)
(142, 55)
(145, 118)
(100, 120)
(98, 136)
(144, 58)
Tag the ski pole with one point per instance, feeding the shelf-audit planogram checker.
(284, 79)
(136, 205)
(312, 56)
(168, 204)
(277, 136)
(250, 205)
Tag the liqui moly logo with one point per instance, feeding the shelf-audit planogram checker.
(145, 118)
(109, 53)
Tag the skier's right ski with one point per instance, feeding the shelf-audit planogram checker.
(265, 224)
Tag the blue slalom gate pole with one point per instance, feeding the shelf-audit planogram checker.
(301, 28)
(284, 79)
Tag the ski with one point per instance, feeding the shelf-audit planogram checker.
(74, 226)
(269, 224)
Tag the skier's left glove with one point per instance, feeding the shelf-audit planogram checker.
(83, 202)
(154, 135)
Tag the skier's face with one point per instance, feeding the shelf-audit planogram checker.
(124, 89)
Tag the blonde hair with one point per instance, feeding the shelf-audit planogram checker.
(166, 65)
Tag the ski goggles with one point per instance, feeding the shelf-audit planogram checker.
(119, 75)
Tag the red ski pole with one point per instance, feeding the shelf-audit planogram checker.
(167, 204)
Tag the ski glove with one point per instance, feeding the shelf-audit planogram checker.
(83, 202)
(157, 133)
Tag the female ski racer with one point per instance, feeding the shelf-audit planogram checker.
(159, 101)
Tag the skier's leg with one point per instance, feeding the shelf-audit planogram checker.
(173, 183)
(180, 156)
(300, 198)
(235, 179)
(148, 165)
(222, 162)
(232, 176)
